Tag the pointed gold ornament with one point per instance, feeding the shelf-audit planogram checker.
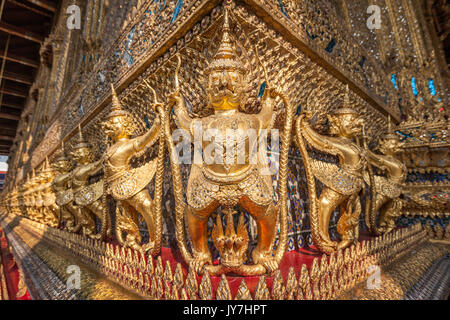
(205, 287)
(262, 292)
(278, 289)
(291, 285)
(243, 292)
(168, 273)
(178, 279)
(223, 291)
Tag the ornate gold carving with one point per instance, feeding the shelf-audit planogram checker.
(223, 291)
(243, 293)
(127, 184)
(88, 196)
(262, 292)
(205, 287)
(385, 191)
(342, 183)
(222, 101)
(224, 183)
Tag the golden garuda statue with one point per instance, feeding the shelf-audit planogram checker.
(25, 198)
(70, 214)
(342, 182)
(50, 207)
(214, 184)
(128, 185)
(385, 190)
(13, 202)
(36, 192)
(89, 196)
(34, 198)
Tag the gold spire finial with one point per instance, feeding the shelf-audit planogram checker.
(226, 46)
(115, 100)
(46, 167)
(116, 106)
(389, 134)
(62, 156)
(81, 142)
(389, 124)
(226, 22)
(80, 133)
(347, 98)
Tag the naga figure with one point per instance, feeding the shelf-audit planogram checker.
(89, 196)
(385, 190)
(70, 214)
(342, 183)
(231, 183)
(128, 185)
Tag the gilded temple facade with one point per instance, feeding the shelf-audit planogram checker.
(103, 175)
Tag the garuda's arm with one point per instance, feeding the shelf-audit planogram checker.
(375, 159)
(316, 140)
(95, 167)
(147, 138)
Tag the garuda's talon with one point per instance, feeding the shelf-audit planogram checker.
(148, 246)
(199, 263)
(345, 243)
(132, 243)
(329, 246)
(266, 260)
(271, 265)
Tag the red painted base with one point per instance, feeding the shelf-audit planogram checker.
(11, 271)
(294, 259)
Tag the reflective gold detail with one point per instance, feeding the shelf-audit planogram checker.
(342, 182)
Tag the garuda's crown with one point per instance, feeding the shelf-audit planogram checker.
(226, 57)
(62, 156)
(389, 134)
(345, 109)
(116, 107)
(81, 142)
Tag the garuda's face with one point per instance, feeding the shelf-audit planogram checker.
(115, 127)
(82, 155)
(346, 125)
(351, 124)
(225, 89)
